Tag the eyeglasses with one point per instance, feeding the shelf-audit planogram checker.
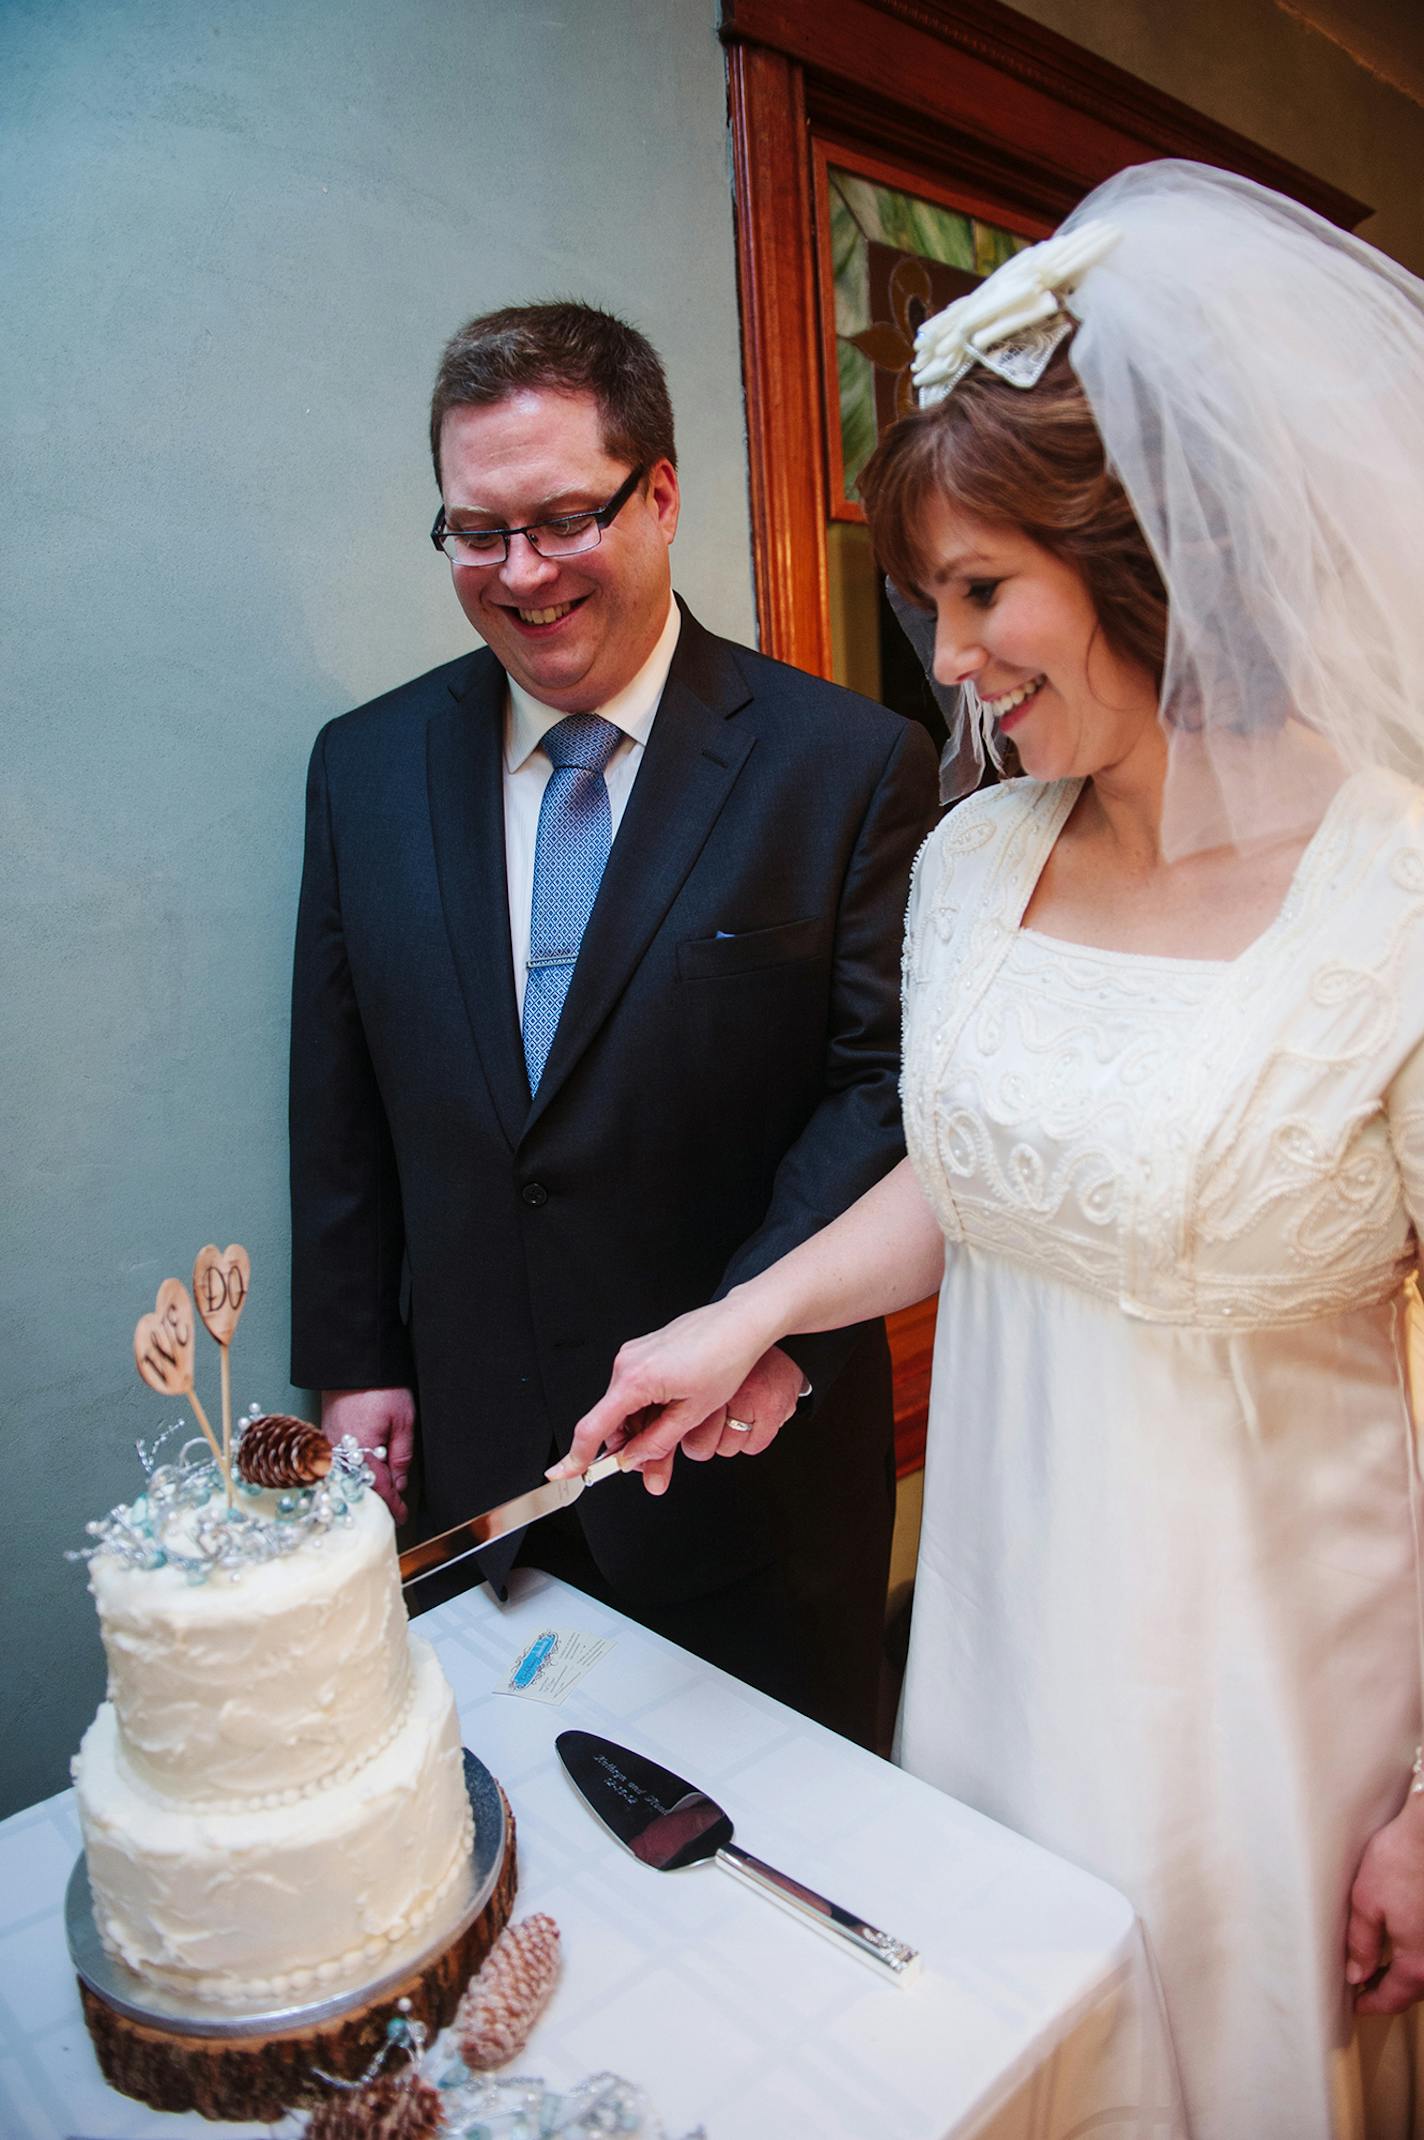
(566, 536)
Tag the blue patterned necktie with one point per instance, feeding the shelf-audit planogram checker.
(575, 834)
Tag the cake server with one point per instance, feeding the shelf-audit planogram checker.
(476, 1532)
(668, 1824)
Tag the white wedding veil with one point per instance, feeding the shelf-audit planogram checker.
(1257, 379)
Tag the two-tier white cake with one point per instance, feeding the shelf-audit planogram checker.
(272, 1795)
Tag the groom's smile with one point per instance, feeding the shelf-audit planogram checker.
(571, 630)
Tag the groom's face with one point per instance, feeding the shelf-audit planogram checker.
(573, 630)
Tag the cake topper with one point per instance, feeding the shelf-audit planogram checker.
(172, 1524)
(163, 1351)
(221, 1280)
(163, 1341)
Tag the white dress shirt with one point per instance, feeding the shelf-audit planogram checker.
(527, 770)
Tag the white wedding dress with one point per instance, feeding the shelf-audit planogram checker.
(1167, 1614)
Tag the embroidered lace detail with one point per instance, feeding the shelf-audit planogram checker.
(1231, 1144)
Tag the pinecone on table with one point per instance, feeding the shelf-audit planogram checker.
(496, 2016)
(278, 1450)
(395, 2107)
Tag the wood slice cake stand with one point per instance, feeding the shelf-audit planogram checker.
(175, 2054)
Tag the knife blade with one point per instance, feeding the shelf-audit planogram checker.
(668, 1824)
(476, 1532)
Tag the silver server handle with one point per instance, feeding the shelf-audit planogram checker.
(889, 1956)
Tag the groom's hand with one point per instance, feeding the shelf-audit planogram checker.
(380, 1420)
(762, 1405)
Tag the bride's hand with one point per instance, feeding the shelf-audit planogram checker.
(1386, 1929)
(667, 1385)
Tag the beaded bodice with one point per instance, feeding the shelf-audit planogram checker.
(1228, 1145)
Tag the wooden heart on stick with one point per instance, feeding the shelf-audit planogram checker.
(221, 1279)
(163, 1349)
(163, 1341)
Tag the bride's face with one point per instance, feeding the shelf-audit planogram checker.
(1017, 623)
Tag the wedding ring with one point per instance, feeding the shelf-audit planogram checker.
(739, 1426)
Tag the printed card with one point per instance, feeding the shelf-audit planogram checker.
(553, 1664)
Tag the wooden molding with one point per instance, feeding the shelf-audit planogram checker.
(993, 77)
(912, 1335)
(780, 359)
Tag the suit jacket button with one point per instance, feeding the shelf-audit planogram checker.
(534, 1193)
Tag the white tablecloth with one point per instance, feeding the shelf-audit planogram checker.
(1034, 2018)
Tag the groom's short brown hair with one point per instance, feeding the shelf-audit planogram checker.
(573, 348)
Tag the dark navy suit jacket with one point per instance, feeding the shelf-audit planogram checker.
(723, 1081)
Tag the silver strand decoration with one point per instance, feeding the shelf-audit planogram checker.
(402, 2034)
(181, 1520)
(485, 2106)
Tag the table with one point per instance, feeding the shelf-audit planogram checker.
(1034, 2017)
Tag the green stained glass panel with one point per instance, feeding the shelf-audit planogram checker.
(881, 307)
(848, 265)
(992, 247)
(859, 429)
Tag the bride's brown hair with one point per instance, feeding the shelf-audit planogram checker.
(1029, 458)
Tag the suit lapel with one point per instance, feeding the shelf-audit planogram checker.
(465, 772)
(689, 768)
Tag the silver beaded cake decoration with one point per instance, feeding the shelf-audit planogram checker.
(182, 1519)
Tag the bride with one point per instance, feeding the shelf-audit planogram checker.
(1164, 1105)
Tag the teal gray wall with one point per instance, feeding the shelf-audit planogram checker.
(236, 233)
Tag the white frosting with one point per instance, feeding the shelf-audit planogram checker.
(255, 1686)
(235, 1905)
(274, 1792)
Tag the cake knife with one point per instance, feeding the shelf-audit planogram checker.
(477, 1532)
(667, 1823)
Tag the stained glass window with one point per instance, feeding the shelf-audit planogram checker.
(894, 260)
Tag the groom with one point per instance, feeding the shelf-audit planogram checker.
(595, 1012)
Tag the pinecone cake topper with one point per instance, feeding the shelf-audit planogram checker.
(496, 2016)
(278, 1450)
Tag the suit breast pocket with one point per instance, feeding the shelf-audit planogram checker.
(752, 1012)
(722, 958)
